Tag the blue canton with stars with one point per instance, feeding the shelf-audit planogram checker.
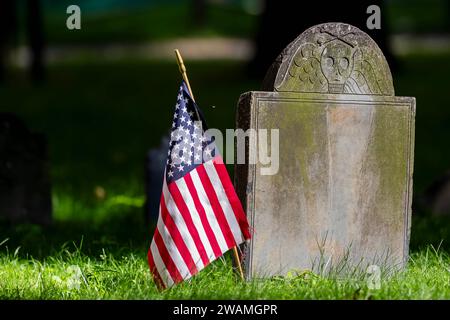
(188, 145)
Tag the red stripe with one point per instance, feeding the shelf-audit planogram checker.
(166, 258)
(184, 210)
(201, 212)
(156, 276)
(216, 207)
(232, 196)
(176, 237)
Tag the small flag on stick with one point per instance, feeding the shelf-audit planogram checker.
(200, 215)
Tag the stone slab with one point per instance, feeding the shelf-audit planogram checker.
(344, 188)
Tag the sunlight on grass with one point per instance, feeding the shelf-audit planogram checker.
(70, 274)
(67, 207)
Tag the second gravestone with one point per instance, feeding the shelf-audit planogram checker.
(342, 195)
(25, 189)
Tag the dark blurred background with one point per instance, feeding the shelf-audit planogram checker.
(104, 95)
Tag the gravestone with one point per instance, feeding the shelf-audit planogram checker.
(25, 194)
(341, 198)
(155, 164)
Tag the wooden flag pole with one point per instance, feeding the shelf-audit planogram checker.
(183, 72)
(186, 80)
(238, 261)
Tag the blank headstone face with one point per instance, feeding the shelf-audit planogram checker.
(342, 195)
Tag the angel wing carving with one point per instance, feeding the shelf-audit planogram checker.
(364, 79)
(305, 73)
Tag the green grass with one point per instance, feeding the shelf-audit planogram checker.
(123, 274)
(102, 117)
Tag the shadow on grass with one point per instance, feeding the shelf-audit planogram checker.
(129, 232)
(118, 235)
(430, 230)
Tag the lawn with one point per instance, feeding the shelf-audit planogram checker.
(123, 274)
(102, 117)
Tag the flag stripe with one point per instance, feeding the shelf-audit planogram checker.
(179, 201)
(160, 265)
(173, 249)
(156, 276)
(182, 227)
(176, 236)
(204, 219)
(223, 200)
(217, 208)
(232, 196)
(166, 258)
(211, 216)
(187, 197)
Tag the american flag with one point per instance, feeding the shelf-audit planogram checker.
(200, 215)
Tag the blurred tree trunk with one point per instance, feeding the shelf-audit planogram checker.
(447, 18)
(198, 12)
(8, 32)
(281, 23)
(35, 35)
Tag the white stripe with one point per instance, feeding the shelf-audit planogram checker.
(173, 250)
(160, 266)
(195, 218)
(223, 200)
(182, 227)
(203, 197)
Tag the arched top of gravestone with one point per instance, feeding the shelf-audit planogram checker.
(331, 58)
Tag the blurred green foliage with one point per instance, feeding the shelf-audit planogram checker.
(148, 23)
(114, 21)
(418, 16)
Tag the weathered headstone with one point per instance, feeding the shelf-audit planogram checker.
(342, 195)
(25, 194)
(155, 164)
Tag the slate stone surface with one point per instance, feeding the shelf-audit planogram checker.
(342, 196)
